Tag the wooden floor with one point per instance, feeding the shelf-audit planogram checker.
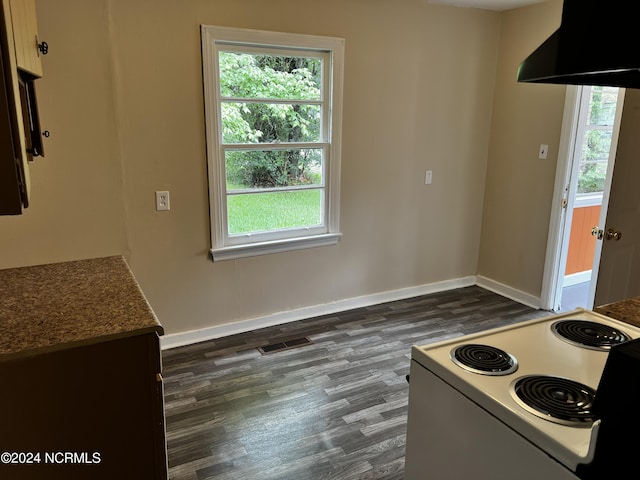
(333, 409)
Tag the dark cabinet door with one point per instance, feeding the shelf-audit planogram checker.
(89, 412)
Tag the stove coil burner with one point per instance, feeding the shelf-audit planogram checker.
(592, 335)
(484, 359)
(556, 399)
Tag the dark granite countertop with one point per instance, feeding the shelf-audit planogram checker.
(62, 305)
(627, 310)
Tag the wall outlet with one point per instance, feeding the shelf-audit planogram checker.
(162, 201)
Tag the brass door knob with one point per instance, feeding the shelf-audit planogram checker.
(597, 232)
(613, 234)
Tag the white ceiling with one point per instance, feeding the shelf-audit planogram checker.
(488, 4)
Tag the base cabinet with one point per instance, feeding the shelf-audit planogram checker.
(94, 411)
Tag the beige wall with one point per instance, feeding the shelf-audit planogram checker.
(519, 186)
(122, 96)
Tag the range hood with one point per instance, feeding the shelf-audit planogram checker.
(596, 44)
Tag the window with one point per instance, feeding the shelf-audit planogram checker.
(273, 105)
(596, 127)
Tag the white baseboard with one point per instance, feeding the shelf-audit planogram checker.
(512, 293)
(194, 336)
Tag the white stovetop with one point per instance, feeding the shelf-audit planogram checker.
(538, 352)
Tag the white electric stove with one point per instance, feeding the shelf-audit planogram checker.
(511, 402)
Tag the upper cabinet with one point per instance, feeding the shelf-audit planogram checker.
(25, 35)
(20, 67)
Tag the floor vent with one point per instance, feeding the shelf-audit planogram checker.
(277, 347)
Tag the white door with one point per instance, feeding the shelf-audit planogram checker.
(583, 179)
(618, 272)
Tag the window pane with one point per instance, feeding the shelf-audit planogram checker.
(595, 157)
(248, 169)
(596, 146)
(602, 106)
(269, 122)
(596, 142)
(263, 212)
(592, 177)
(245, 75)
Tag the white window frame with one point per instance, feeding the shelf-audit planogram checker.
(224, 246)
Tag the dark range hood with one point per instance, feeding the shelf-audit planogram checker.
(597, 44)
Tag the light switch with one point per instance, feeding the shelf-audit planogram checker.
(542, 155)
(428, 177)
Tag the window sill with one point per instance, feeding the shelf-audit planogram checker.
(278, 246)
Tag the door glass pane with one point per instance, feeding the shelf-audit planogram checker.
(596, 142)
(269, 211)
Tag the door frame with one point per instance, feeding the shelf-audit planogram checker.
(561, 214)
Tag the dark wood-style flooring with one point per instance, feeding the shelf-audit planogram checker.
(333, 409)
